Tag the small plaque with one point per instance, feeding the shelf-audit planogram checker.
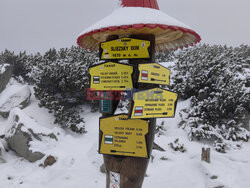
(123, 136)
(154, 103)
(111, 76)
(154, 73)
(125, 48)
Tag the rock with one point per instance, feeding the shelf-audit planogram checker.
(213, 177)
(19, 99)
(26, 137)
(102, 168)
(49, 161)
(2, 149)
(5, 75)
(164, 158)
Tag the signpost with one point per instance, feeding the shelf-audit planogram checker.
(154, 103)
(111, 76)
(123, 136)
(154, 73)
(125, 48)
(132, 169)
(126, 140)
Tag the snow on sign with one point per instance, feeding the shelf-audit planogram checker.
(154, 103)
(111, 76)
(125, 48)
(123, 136)
(154, 73)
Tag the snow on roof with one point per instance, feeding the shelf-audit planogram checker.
(135, 15)
(170, 33)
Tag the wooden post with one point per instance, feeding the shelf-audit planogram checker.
(133, 169)
(205, 155)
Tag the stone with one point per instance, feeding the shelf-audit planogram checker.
(2, 149)
(19, 99)
(213, 177)
(24, 135)
(102, 168)
(49, 161)
(164, 158)
(5, 75)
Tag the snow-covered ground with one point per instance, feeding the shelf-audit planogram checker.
(78, 162)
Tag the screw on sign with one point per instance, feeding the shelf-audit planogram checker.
(166, 35)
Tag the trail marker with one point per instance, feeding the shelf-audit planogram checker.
(123, 136)
(111, 76)
(154, 103)
(154, 73)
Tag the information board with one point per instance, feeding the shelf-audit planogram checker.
(123, 136)
(154, 103)
(125, 48)
(154, 73)
(111, 76)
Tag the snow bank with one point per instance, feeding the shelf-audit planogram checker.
(25, 120)
(20, 98)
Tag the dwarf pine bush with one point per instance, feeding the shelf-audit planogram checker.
(216, 78)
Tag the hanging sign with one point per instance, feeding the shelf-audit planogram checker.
(123, 136)
(154, 73)
(154, 103)
(111, 76)
(125, 48)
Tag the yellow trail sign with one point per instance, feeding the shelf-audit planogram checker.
(123, 136)
(154, 73)
(111, 76)
(125, 48)
(154, 103)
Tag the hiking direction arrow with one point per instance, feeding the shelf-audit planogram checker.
(154, 103)
(123, 136)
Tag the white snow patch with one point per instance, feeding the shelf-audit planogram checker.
(3, 68)
(8, 100)
(25, 120)
(10, 90)
(135, 15)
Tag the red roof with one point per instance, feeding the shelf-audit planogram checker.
(141, 3)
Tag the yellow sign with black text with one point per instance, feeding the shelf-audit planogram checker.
(154, 73)
(154, 103)
(111, 76)
(123, 136)
(125, 48)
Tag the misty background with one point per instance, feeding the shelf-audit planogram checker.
(37, 25)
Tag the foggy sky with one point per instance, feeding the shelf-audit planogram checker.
(37, 25)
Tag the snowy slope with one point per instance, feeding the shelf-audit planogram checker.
(78, 162)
